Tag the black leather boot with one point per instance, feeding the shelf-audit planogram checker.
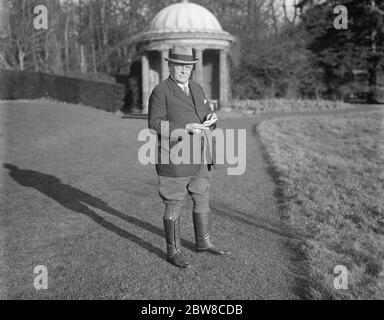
(172, 235)
(202, 236)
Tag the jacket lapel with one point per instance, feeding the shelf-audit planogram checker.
(178, 92)
(195, 92)
(196, 96)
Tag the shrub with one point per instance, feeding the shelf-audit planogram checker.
(16, 84)
(284, 105)
(98, 77)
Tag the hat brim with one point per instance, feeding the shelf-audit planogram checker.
(181, 61)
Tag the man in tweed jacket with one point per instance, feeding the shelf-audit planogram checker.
(180, 104)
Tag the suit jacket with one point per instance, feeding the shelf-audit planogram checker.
(169, 105)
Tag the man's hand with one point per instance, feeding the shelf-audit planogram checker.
(210, 121)
(195, 128)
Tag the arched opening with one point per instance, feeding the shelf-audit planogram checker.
(211, 76)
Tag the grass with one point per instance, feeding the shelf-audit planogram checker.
(331, 171)
(75, 199)
(284, 105)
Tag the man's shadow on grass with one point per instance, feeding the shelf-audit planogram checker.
(77, 201)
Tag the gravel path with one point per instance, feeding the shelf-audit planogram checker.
(77, 200)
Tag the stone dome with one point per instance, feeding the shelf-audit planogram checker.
(192, 25)
(184, 23)
(185, 17)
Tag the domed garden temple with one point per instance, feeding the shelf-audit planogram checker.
(192, 25)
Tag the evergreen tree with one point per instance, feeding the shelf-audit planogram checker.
(341, 51)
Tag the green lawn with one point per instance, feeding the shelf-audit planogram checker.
(331, 171)
(75, 199)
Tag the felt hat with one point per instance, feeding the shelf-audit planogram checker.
(181, 55)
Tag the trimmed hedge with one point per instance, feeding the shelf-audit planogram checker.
(15, 84)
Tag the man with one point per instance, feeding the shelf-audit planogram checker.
(178, 103)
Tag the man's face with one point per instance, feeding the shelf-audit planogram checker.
(181, 72)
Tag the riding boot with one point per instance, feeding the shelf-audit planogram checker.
(172, 235)
(202, 235)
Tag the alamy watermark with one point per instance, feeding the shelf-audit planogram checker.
(341, 279)
(218, 145)
(341, 20)
(41, 280)
(40, 22)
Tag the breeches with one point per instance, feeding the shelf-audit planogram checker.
(173, 191)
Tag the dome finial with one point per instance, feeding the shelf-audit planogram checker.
(184, 1)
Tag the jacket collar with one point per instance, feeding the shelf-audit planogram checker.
(178, 92)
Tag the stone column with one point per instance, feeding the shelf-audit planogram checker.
(144, 81)
(164, 65)
(199, 67)
(223, 78)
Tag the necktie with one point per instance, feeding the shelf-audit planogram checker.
(186, 89)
